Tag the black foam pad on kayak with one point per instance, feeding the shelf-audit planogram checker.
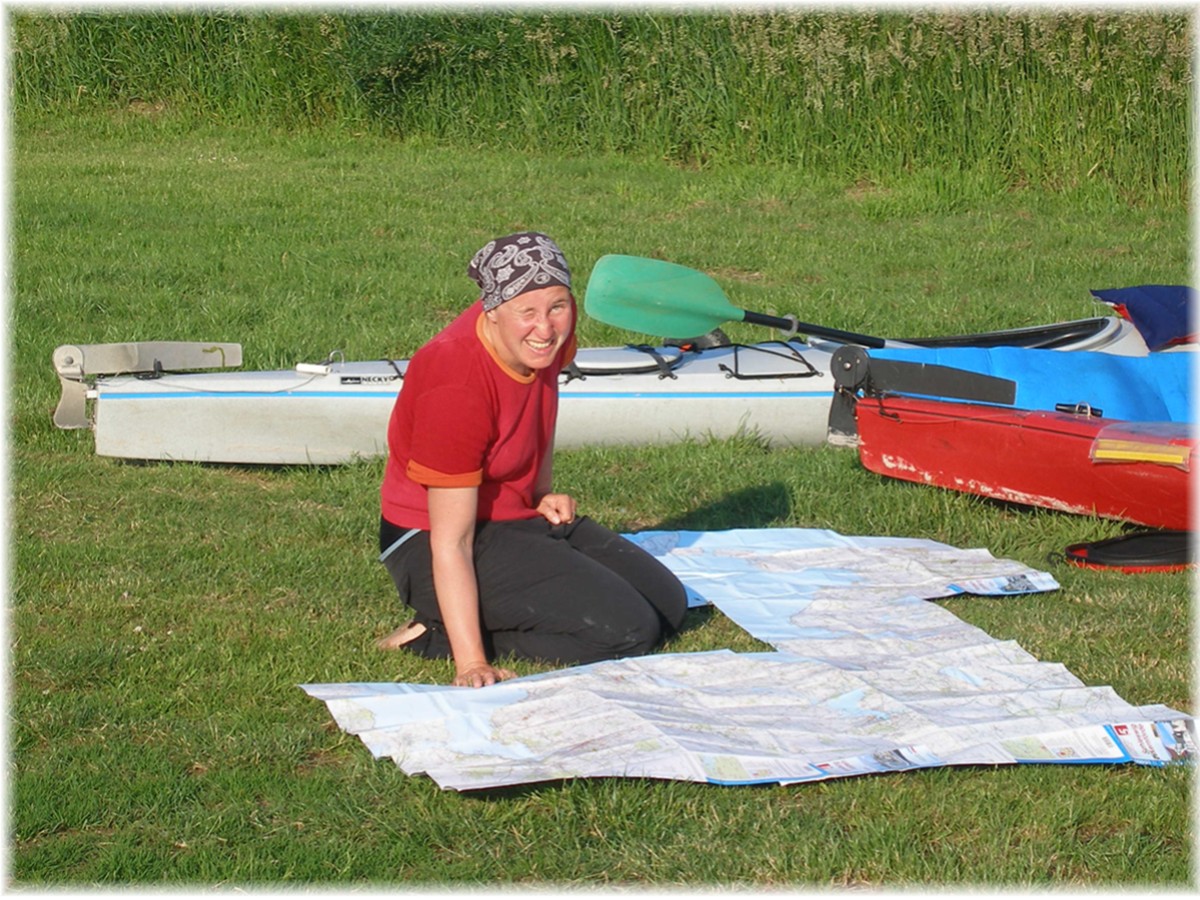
(1137, 551)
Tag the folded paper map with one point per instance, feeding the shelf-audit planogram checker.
(867, 676)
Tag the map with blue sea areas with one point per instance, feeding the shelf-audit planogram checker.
(867, 676)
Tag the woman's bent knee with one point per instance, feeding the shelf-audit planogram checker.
(635, 633)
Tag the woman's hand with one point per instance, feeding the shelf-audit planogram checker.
(557, 509)
(480, 675)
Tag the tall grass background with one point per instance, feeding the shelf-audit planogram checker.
(1018, 98)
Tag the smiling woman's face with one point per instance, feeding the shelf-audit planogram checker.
(528, 331)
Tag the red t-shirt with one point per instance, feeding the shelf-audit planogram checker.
(464, 418)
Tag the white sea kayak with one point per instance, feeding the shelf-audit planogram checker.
(187, 401)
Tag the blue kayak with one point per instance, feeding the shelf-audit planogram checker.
(1152, 388)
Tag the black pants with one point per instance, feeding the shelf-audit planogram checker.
(574, 593)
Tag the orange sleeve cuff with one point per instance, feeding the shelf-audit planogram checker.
(433, 478)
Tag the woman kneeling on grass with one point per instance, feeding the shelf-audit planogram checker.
(491, 561)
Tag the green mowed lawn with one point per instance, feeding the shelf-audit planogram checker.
(162, 615)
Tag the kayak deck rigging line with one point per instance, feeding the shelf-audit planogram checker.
(662, 360)
(792, 355)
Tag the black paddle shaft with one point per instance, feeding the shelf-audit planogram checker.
(833, 334)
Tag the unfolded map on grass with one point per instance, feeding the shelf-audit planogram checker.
(867, 676)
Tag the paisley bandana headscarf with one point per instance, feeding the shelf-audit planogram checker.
(507, 266)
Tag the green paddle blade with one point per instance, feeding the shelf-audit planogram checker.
(656, 297)
(672, 301)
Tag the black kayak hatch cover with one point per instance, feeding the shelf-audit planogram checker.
(1139, 551)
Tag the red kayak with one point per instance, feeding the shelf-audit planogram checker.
(1074, 462)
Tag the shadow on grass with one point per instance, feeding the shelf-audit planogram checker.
(754, 507)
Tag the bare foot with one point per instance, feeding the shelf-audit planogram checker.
(405, 634)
